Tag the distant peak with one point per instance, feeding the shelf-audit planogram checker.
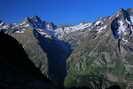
(34, 19)
(121, 9)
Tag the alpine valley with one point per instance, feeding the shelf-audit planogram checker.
(36, 54)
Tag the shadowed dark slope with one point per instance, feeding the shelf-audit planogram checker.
(114, 87)
(16, 70)
(57, 53)
(12, 53)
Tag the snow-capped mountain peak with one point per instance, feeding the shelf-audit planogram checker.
(121, 25)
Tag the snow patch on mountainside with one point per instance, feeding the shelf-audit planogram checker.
(102, 28)
(122, 28)
(19, 32)
(98, 23)
(60, 32)
(70, 29)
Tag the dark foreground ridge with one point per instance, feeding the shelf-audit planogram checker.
(16, 70)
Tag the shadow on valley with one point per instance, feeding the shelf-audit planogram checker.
(57, 52)
(16, 70)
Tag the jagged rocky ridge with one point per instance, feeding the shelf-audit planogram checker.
(99, 53)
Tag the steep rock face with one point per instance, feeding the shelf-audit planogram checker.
(16, 70)
(105, 54)
(32, 48)
(122, 25)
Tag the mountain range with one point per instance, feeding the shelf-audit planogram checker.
(96, 55)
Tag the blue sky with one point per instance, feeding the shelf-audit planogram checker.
(60, 11)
